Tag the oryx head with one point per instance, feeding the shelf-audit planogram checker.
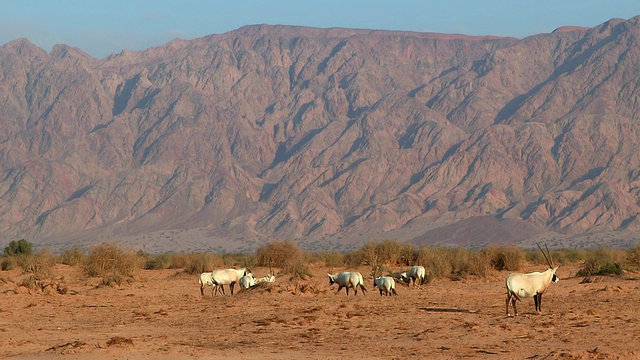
(552, 266)
(332, 279)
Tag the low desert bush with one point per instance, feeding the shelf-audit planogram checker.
(280, 254)
(196, 263)
(602, 262)
(633, 257)
(506, 257)
(157, 262)
(239, 260)
(109, 260)
(8, 263)
(72, 256)
(40, 264)
(328, 258)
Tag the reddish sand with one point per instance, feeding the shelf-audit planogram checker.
(163, 315)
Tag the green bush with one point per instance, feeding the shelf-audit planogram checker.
(20, 247)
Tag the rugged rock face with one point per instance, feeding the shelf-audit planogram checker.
(323, 136)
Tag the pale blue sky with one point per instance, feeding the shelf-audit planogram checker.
(104, 27)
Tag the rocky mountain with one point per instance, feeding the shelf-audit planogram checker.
(328, 137)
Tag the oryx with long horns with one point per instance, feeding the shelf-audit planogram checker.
(530, 285)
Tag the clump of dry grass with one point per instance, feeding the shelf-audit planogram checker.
(40, 264)
(112, 263)
(603, 262)
(72, 256)
(196, 263)
(506, 257)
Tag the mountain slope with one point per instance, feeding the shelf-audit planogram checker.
(324, 136)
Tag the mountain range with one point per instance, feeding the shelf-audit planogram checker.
(325, 137)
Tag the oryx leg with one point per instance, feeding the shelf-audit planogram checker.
(202, 290)
(340, 288)
(232, 285)
(222, 289)
(511, 298)
(537, 299)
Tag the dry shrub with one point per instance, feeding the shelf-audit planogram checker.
(157, 262)
(436, 261)
(196, 263)
(633, 257)
(108, 260)
(479, 264)
(72, 256)
(328, 258)
(388, 252)
(279, 254)
(602, 262)
(506, 257)
(568, 256)
(239, 260)
(40, 264)
(8, 263)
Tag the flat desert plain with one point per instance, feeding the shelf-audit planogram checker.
(162, 315)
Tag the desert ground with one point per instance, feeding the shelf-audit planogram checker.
(163, 315)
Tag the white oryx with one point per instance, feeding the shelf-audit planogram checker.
(205, 279)
(385, 284)
(348, 280)
(415, 273)
(530, 285)
(227, 277)
(266, 279)
(247, 281)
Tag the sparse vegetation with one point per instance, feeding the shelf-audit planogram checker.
(603, 262)
(111, 262)
(196, 263)
(72, 256)
(506, 257)
(117, 266)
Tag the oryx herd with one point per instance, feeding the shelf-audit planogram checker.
(518, 285)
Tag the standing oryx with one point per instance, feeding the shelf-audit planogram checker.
(348, 280)
(530, 285)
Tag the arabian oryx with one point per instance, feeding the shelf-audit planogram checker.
(386, 285)
(530, 285)
(227, 277)
(348, 280)
(415, 273)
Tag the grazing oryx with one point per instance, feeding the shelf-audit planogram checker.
(227, 277)
(385, 284)
(247, 281)
(530, 285)
(348, 280)
(205, 279)
(266, 279)
(415, 273)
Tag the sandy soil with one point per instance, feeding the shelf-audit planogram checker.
(163, 315)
